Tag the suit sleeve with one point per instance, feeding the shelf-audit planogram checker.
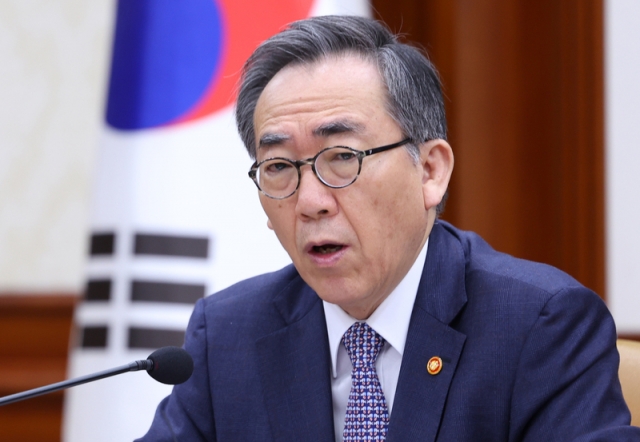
(187, 414)
(567, 386)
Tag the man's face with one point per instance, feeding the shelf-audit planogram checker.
(351, 245)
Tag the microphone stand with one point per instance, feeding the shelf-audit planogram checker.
(133, 366)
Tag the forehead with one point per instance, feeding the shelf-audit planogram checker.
(334, 95)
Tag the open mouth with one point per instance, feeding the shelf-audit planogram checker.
(326, 248)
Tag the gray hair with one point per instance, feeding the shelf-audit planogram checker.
(414, 92)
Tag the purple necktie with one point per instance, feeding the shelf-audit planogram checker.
(367, 416)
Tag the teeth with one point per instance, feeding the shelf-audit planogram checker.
(328, 248)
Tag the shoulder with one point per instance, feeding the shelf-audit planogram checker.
(257, 305)
(489, 269)
(251, 298)
(520, 295)
(261, 288)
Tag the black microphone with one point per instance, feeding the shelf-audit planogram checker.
(169, 365)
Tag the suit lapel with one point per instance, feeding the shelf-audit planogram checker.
(295, 370)
(420, 397)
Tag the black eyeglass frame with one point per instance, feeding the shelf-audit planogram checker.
(360, 154)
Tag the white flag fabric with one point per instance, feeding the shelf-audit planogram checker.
(174, 216)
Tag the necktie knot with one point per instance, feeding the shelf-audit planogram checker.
(363, 344)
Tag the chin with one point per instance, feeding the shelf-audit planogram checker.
(343, 300)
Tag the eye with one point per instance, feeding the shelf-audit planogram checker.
(346, 156)
(275, 167)
(338, 156)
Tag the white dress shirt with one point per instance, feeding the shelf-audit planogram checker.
(391, 321)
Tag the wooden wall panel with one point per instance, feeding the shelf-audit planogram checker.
(34, 340)
(524, 95)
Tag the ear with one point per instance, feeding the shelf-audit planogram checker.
(436, 159)
(269, 225)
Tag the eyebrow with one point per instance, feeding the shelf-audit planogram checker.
(324, 130)
(273, 139)
(338, 127)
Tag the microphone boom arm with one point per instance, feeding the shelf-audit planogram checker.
(133, 366)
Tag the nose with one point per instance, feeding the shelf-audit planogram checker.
(314, 199)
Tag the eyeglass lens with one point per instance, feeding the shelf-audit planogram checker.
(336, 167)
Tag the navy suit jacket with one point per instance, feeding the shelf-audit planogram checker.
(528, 355)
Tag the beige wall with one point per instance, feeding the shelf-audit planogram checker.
(622, 48)
(54, 57)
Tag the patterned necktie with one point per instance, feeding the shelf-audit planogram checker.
(367, 416)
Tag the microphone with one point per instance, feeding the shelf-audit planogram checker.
(169, 365)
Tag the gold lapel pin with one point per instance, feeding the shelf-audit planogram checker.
(434, 365)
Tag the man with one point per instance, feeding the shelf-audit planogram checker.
(390, 325)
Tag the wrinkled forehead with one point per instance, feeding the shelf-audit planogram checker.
(335, 94)
(327, 62)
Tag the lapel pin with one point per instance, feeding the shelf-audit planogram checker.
(434, 365)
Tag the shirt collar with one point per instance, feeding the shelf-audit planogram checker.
(390, 320)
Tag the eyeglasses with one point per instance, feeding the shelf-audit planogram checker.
(335, 167)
